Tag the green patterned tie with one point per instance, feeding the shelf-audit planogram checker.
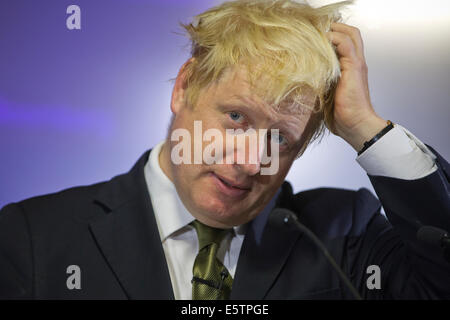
(211, 280)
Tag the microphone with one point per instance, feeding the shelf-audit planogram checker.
(437, 237)
(289, 215)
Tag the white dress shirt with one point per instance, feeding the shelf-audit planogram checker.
(398, 154)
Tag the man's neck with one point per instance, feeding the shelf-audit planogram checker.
(164, 160)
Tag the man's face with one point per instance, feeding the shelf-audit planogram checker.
(230, 194)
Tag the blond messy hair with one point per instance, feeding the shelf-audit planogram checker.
(282, 39)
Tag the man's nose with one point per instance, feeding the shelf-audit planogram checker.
(248, 168)
(251, 153)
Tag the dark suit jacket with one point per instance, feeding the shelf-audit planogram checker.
(109, 230)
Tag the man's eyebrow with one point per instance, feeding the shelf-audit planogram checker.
(288, 129)
(230, 105)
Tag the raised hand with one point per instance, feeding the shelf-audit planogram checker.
(355, 120)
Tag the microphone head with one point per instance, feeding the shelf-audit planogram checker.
(288, 214)
(431, 235)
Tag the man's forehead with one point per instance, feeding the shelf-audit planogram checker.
(285, 107)
(236, 86)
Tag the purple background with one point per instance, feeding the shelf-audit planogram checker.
(80, 106)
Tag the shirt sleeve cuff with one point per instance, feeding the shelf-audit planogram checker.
(398, 154)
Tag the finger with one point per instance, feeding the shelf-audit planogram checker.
(354, 33)
(344, 45)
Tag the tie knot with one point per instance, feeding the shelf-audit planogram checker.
(208, 235)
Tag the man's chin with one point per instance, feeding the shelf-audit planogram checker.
(226, 215)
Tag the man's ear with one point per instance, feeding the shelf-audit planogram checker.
(178, 100)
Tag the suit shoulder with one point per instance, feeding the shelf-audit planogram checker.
(337, 211)
(71, 201)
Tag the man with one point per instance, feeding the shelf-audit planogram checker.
(171, 228)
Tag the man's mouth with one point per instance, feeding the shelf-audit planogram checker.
(230, 187)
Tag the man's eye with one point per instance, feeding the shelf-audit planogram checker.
(236, 117)
(279, 139)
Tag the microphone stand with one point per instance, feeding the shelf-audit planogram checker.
(289, 215)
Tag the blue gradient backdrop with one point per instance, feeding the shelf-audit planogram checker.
(80, 106)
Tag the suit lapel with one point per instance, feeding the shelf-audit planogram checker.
(128, 236)
(267, 245)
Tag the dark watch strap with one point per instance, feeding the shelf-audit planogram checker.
(367, 144)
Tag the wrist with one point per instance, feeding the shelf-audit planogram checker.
(363, 132)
